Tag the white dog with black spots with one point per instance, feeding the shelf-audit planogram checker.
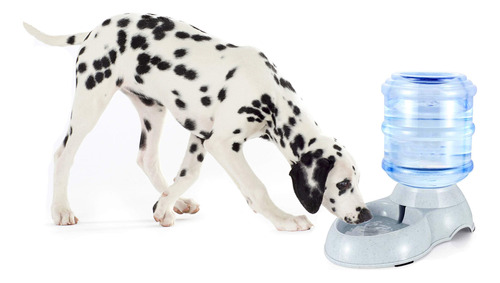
(224, 95)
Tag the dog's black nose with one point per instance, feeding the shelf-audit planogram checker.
(364, 215)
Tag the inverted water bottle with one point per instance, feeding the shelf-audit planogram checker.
(428, 128)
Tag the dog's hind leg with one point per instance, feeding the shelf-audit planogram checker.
(152, 116)
(88, 105)
(170, 200)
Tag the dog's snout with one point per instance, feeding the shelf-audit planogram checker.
(364, 215)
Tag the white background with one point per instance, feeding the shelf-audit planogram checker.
(336, 54)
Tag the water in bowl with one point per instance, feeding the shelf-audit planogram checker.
(378, 225)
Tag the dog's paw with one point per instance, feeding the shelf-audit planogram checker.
(186, 206)
(294, 223)
(62, 215)
(162, 214)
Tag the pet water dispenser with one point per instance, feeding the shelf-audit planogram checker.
(428, 131)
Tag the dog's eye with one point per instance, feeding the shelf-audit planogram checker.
(344, 185)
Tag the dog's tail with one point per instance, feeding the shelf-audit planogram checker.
(56, 40)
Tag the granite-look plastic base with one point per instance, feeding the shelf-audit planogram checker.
(405, 227)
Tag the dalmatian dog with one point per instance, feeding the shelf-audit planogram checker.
(223, 95)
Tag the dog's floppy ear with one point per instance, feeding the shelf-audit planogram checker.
(310, 195)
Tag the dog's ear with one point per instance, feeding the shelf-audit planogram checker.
(310, 194)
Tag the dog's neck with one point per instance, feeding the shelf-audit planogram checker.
(295, 133)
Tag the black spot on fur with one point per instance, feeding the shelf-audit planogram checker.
(65, 141)
(179, 53)
(143, 59)
(292, 121)
(256, 103)
(138, 41)
(339, 154)
(332, 201)
(163, 65)
(147, 125)
(203, 88)
(182, 34)
(286, 84)
(296, 110)
(97, 64)
(142, 142)
(122, 40)
(297, 144)
(142, 69)
(182, 173)
(82, 67)
(193, 148)
(190, 75)
(82, 50)
(266, 99)
(230, 74)
(220, 47)
(237, 131)
(200, 157)
(313, 140)
(159, 33)
(106, 22)
(231, 45)
(206, 101)
(71, 40)
(119, 82)
(337, 147)
(199, 37)
(90, 83)
(99, 76)
(155, 60)
(166, 24)
(252, 111)
(139, 80)
(189, 124)
(147, 22)
(181, 104)
(123, 22)
(180, 70)
(270, 66)
(105, 62)
(112, 56)
(236, 147)
(286, 131)
(222, 95)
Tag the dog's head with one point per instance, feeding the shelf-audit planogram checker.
(327, 175)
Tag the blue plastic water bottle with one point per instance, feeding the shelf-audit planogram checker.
(428, 128)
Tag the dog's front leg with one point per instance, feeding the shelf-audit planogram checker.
(170, 200)
(230, 156)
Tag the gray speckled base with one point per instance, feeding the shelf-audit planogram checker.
(431, 216)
